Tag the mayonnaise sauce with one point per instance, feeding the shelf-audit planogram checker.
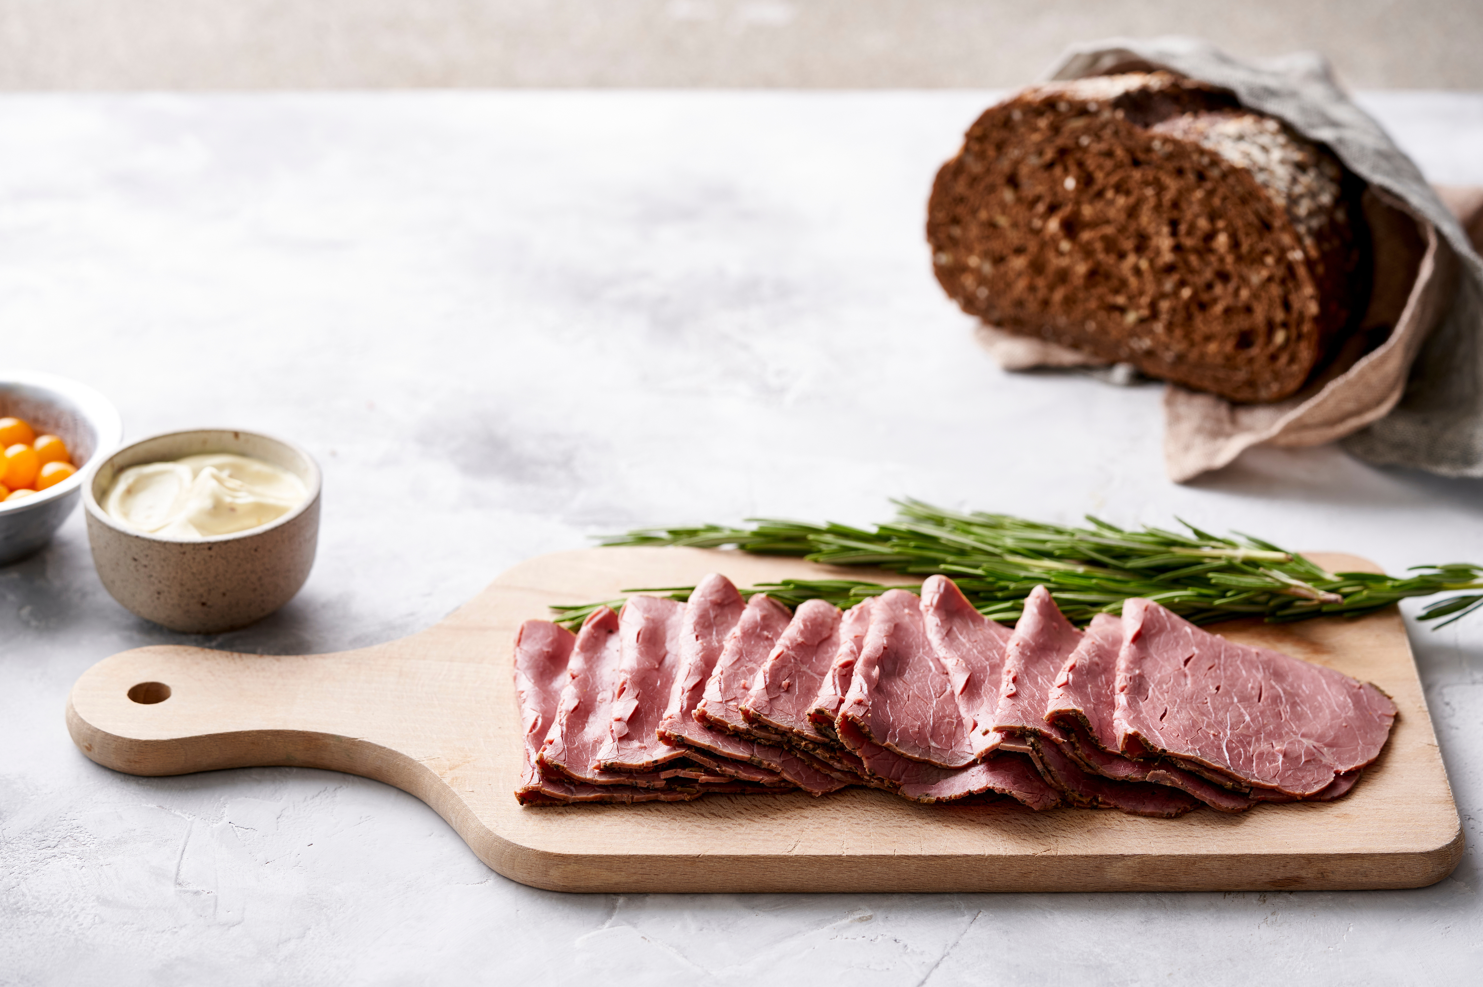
(202, 496)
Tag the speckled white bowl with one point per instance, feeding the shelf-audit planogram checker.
(212, 584)
(85, 420)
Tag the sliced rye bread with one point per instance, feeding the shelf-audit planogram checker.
(1152, 220)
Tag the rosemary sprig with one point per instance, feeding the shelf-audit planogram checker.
(997, 559)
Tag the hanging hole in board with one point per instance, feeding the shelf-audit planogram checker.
(149, 693)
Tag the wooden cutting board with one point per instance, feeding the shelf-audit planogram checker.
(434, 714)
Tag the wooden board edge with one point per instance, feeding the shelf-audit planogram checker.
(950, 873)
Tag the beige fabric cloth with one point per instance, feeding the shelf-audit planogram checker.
(1421, 281)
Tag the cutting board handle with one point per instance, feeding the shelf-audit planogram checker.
(170, 710)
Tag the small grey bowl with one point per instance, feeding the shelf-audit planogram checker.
(85, 420)
(212, 584)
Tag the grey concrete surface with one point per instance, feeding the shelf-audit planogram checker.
(505, 322)
(277, 44)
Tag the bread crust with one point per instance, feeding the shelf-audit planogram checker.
(1151, 220)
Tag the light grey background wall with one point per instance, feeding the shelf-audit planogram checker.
(296, 44)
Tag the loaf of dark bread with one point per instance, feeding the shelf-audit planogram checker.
(1152, 220)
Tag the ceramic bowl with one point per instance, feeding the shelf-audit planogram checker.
(214, 584)
(85, 420)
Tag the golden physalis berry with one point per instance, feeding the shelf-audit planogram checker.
(4, 491)
(21, 466)
(19, 494)
(13, 430)
(51, 449)
(53, 473)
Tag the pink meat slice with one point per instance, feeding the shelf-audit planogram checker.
(1120, 768)
(783, 690)
(902, 696)
(1267, 719)
(745, 652)
(715, 607)
(1005, 773)
(584, 717)
(971, 648)
(1087, 790)
(737, 769)
(853, 626)
(1081, 704)
(542, 654)
(649, 636)
(1042, 641)
(1082, 694)
(561, 792)
(542, 650)
(712, 615)
(574, 793)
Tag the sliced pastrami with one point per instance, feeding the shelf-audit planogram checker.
(1338, 788)
(1119, 768)
(745, 652)
(562, 792)
(842, 760)
(1082, 694)
(1081, 703)
(971, 648)
(714, 608)
(584, 718)
(711, 617)
(1267, 719)
(649, 636)
(783, 690)
(1094, 792)
(836, 683)
(901, 696)
(542, 650)
(738, 769)
(790, 766)
(1042, 641)
(1005, 773)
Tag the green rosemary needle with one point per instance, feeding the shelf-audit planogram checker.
(997, 559)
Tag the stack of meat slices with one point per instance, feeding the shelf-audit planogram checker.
(925, 697)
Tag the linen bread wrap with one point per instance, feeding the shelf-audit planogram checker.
(1346, 302)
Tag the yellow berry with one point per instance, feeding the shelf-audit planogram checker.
(4, 491)
(51, 449)
(21, 466)
(13, 430)
(53, 473)
(18, 494)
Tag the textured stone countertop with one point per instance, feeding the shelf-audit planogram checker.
(505, 323)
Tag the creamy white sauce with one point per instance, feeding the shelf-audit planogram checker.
(201, 496)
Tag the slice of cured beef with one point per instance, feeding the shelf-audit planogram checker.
(712, 619)
(783, 691)
(1082, 788)
(853, 626)
(1042, 641)
(1081, 703)
(971, 648)
(902, 697)
(712, 613)
(584, 716)
(1082, 693)
(742, 658)
(541, 653)
(649, 636)
(1267, 719)
(1005, 773)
